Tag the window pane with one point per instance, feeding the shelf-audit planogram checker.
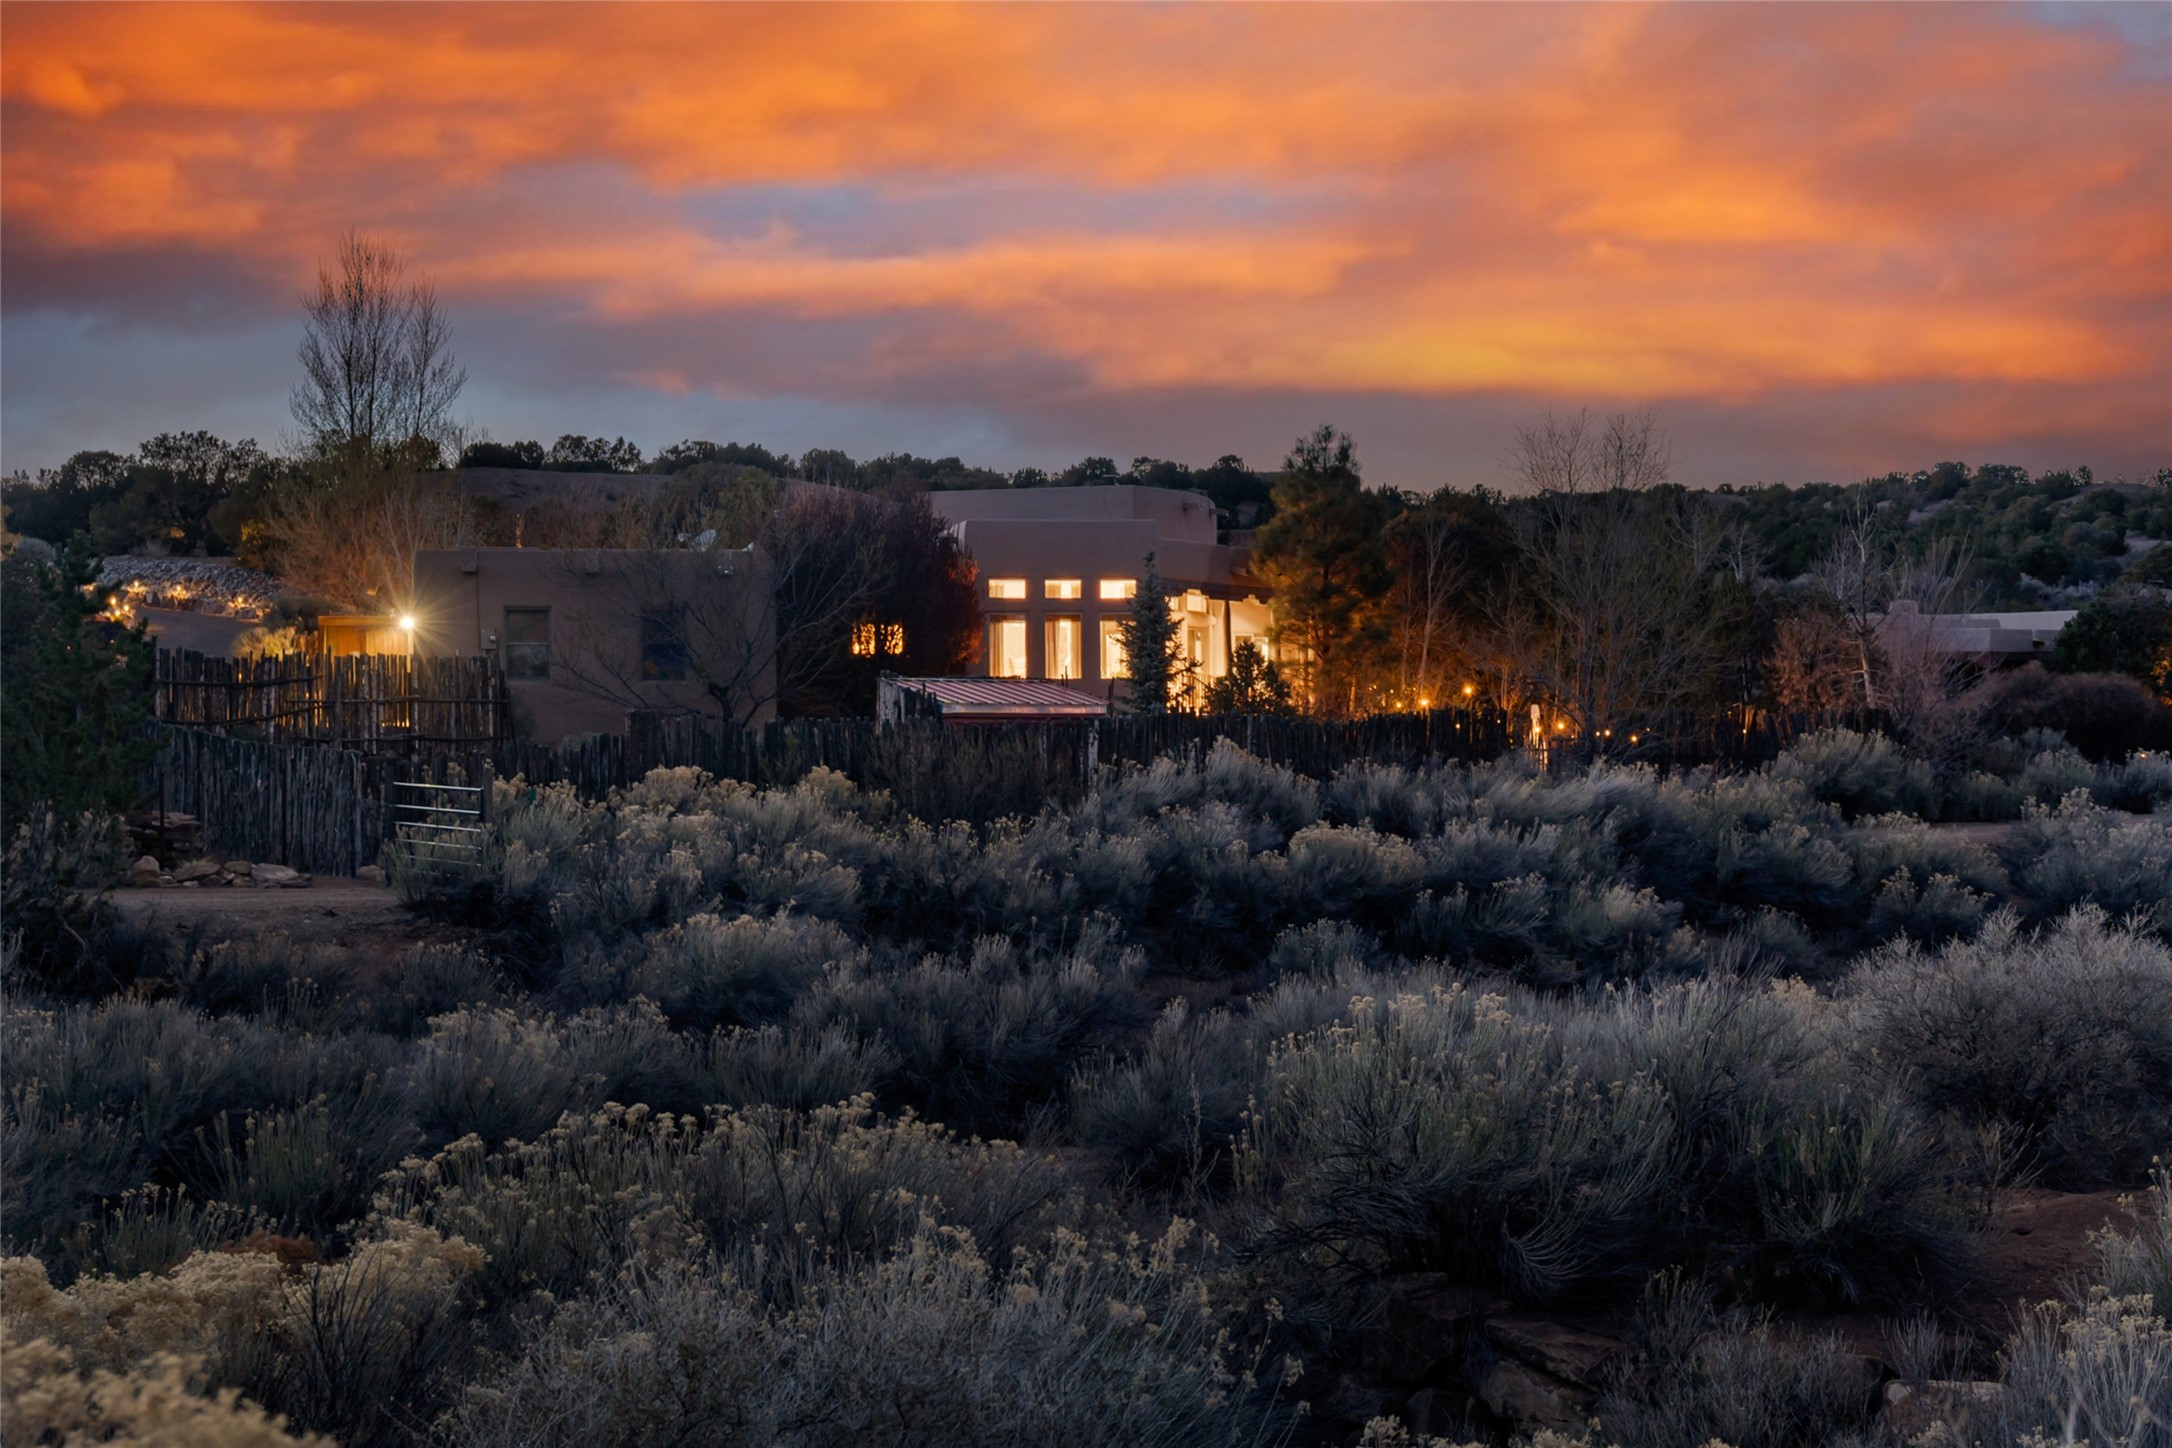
(663, 643)
(1066, 648)
(1119, 589)
(1007, 646)
(1113, 663)
(1006, 588)
(527, 643)
(1063, 588)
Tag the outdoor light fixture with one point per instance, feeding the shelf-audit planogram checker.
(407, 622)
(1468, 690)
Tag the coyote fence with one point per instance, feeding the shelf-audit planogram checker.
(322, 810)
(967, 771)
(371, 703)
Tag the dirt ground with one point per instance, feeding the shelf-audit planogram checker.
(333, 911)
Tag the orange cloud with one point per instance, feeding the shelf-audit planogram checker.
(1591, 202)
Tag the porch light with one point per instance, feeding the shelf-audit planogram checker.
(407, 623)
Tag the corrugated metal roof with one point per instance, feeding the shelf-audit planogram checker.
(959, 696)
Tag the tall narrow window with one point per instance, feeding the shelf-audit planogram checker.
(1066, 647)
(1006, 588)
(1007, 646)
(1114, 663)
(663, 642)
(527, 643)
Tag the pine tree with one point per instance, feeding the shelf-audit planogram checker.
(1154, 646)
(1253, 685)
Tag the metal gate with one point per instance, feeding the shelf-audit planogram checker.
(441, 830)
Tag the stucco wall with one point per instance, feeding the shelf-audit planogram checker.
(596, 598)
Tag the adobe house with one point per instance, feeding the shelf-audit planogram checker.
(1059, 566)
(585, 635)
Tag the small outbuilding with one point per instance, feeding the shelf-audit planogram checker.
(984, 701)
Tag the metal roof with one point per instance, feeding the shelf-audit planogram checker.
(963, 697)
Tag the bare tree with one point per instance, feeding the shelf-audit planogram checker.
(378, 372)
(1617, 620)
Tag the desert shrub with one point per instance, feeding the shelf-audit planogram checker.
(494, 1073)
(129, 1092)
(1321, 949)
(2080, 854)
(712, 971)
(1863, 774)
(987, 1042)
(1942, 907)
(46, 1398)
(342, 1347)
(1443, 1131)
(2062, 1038)
(2141, 785)
(1856, 1203)
(309, 1168)
(434, 980)
(1176, 1107)
(2139, 1264)
(2097, 1372)
(794, 1066)
(253, 973)
(51, 880)
(2050, 775)
(769, 1189)
(630, 1054)
(1704, 1376)
(149, 1229)
(1072, 1346)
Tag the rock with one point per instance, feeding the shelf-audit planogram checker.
(275, 875)
(239, 867)
(370, 875)
(144, 871)
(1568, 1353)
(195, 870)
(1531, 1397)
(168, 882)
(1426, 1327)
(190, 884)
(1917, 1408)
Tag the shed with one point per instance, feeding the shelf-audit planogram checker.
(984, 701)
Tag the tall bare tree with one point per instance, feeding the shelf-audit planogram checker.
(1615, 622)
(378, 372)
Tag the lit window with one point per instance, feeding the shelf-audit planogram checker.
(869, 639)
(1006, 588)
(663, 643)
(1114, 665)
(527, 643)
(1066, 646)
(1116, 590)
(1007, 646)
(1063, 588)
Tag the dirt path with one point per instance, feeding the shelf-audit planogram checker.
(332, 911)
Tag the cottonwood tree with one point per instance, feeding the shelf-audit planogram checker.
(374, 408)
(1613, 620)
(378, 372)
(1323, 556)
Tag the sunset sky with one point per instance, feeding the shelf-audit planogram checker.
(1825, 240)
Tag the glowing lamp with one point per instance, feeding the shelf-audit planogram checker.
(407, 622)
